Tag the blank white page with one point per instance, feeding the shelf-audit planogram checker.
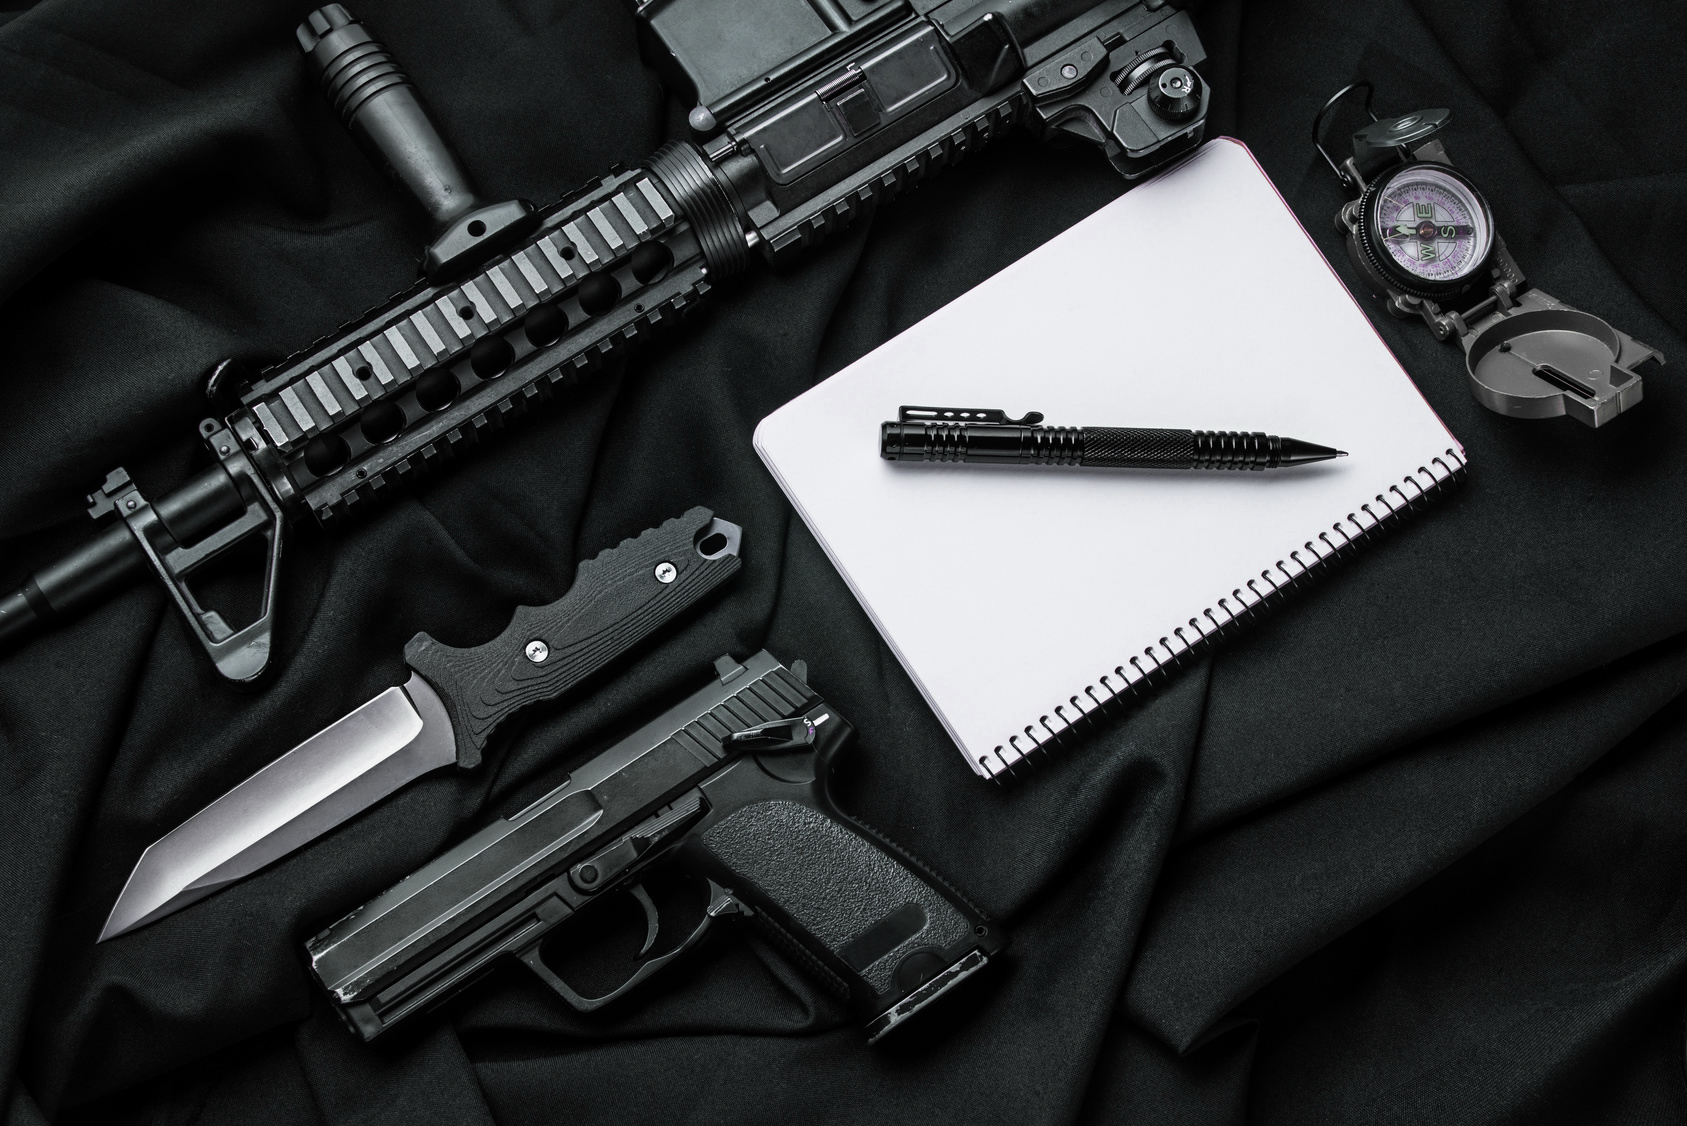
(1020, 598)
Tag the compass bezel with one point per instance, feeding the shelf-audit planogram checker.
(1383, 262)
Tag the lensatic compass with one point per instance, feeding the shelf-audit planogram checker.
(1423, 237)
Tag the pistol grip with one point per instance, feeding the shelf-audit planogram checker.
(857, 913)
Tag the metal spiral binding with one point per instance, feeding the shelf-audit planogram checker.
(1138, 676)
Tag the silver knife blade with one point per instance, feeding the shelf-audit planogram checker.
(335, 774)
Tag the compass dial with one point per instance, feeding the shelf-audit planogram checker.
(1429, 227)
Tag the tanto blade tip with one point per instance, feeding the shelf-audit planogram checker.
(143, 901)
(332, 776)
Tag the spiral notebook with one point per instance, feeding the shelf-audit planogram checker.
(1028, 603)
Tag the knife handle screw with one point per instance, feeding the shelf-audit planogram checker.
(666, 572)
(537, 651)
(588, 873)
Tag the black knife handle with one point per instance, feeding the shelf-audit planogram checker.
(618, 599)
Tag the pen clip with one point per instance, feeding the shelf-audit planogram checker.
(973, 415)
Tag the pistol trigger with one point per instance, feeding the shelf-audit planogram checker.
(533, 956)
(652, 921)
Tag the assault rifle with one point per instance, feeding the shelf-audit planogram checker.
(800, 124)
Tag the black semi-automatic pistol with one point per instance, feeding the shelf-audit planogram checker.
(731, 785)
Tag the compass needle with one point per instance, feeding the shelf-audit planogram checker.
(1431, 225)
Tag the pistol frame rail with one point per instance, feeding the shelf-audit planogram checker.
(862, 101)
(732, 785)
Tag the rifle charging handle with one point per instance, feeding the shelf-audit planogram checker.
(378, 104)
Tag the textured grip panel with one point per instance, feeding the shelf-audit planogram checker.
(846, 892)
(616, 601)
(1126, 448)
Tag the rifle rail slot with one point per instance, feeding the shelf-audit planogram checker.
(384, 358)
(399, 307)
(440, 435)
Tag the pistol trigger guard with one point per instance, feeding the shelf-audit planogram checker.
(536, 963)
(652, 921)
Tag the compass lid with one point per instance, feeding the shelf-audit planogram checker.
(1391, 133)
(1543, 358)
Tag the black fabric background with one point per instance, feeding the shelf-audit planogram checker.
(1412, 851)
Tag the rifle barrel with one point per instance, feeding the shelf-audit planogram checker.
(113, 559)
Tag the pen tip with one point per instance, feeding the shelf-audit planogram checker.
(1341, 453)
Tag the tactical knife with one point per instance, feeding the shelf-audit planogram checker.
(445, 713)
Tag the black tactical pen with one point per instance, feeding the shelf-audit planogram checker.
(956, 434)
